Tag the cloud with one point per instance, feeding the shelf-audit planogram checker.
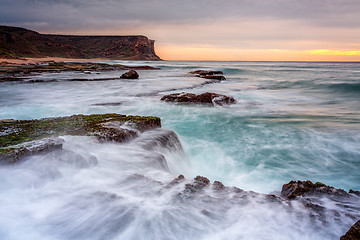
(295, 25)
(78, 13)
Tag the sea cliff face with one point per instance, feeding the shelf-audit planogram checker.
(19, 42)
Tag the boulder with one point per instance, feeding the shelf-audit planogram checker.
(132, 74)
(205, 98)
(353, 233)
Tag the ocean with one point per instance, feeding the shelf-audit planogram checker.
(291, 121)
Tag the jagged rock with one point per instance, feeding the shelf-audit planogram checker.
(16, 137)
(210, 98)
(199, 183)
(353, 233)
(300, 188)
(132, 74)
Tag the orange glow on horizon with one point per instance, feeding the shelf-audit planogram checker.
(208, 53)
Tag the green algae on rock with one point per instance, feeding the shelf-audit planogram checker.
(106, 127)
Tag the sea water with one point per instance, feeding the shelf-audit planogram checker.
(291, 121)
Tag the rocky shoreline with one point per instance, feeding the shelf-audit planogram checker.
(22, 72)
(20, 139)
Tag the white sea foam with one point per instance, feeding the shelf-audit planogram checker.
(287, 124)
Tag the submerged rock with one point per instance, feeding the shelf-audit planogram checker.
(207, 98)
(132, 74)
(17, 137)
(353, 233)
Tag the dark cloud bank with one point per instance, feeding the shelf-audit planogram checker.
(59, 15)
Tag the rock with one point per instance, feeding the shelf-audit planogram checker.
(209, 98)
(353, 233)
(199, 183)
(206, 72)
(132, 74)
(16, 138)
(15, 153)
(301, 188)
(218, 185)
(13, 72)
(215, 77)
(7, 120)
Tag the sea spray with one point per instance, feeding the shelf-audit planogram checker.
(291, 121)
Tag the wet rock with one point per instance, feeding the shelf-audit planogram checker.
(132, 74)
(357, 193)
(353, 233)
(215, 77)
(7, 120)
(301, 188)
(177, 180)
(206, 72)
(205, 98)
(13, 72)
(218, 185)
(15, 153)
(106, 127)
(199, 183)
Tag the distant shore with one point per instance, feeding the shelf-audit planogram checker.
(45, 59)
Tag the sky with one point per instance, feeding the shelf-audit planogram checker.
(228, 30)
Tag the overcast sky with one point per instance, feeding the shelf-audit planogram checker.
(206, 29)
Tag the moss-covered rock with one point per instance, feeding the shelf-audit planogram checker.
(106, 127)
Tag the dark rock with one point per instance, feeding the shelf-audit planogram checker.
(354, 192)
(199, 183)
(206, 72)
(14, 154)
(353, 233)
(177, 180)
(218, 185)
(132, 74)
(7, 120)
(209, 98)
(215, 77)
(301, 188)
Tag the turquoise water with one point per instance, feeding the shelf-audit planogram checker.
(292, 121)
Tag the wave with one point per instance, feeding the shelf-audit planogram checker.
(350, 87)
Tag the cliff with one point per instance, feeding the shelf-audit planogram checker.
(19, 42)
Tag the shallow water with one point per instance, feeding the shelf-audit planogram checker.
(291, 121)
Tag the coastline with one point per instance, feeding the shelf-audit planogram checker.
(46, 59)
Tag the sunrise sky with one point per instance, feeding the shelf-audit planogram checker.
(254, 30)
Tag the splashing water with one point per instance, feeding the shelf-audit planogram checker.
(291, 121)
